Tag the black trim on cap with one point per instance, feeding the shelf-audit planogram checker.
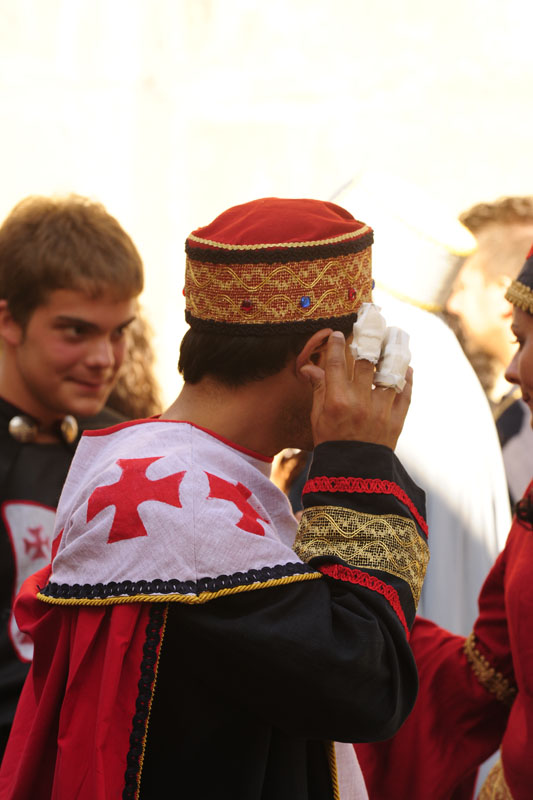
(282, 255)
(310, 325)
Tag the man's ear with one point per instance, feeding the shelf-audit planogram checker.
(10, 331)
(311, 351)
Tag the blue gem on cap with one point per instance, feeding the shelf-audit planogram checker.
(305, 301)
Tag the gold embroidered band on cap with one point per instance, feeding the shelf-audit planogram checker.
(279, 292)
(384, 542)
(521, 296)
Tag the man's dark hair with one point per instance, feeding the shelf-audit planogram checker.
(237, 360)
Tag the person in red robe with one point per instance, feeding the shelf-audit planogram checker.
(476, 693)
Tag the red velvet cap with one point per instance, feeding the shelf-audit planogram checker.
(276, 264)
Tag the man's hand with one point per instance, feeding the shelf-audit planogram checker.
(346, 406)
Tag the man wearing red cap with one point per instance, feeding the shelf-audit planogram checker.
(204, 644)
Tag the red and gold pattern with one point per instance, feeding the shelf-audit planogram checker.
(277, 261)
(493, 681)
(366, 486)
(278, 292)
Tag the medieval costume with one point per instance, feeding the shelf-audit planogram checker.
(32, 475)
(475, 692)
(185, 641)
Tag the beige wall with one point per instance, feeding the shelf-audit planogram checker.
(171, 110)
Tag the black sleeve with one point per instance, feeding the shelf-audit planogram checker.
(318, 659)
(326, 658)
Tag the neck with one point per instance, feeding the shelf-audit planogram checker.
(247, 416)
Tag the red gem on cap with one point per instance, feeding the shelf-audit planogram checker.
(247, 305)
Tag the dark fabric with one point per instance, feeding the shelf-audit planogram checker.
(269, 676)
(31, 475)
(247, 690)
(509, 423)
(266, 677)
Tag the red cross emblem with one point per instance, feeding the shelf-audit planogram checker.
(36, 548)
(127, 494)
(238, 495)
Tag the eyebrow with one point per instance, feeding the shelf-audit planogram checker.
(91, 326)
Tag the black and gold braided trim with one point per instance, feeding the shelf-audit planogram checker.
(521, 296)
(149, 665)
(282, 254)
(492, 680)
(173, 590)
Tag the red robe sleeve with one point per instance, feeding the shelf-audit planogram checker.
(474, 695)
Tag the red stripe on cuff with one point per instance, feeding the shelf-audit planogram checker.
(390, 594)
(365, 486)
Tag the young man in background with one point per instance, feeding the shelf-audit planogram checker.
(69, 279)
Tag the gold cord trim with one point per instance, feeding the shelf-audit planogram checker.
(341, 238)
(520, 295)
(156, 672)
(188, 599)
(332, 761)
(495, 786)
(489, 678)
(433, 307)
(367, 541)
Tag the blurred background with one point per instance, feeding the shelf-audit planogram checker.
(169, 111)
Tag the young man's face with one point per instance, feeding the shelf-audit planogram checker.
(66, 359)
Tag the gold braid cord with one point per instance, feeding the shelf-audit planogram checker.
(332, 760)
(495, 786)
(489, 678)
(520, 295)
(188, 599)
(367, 541)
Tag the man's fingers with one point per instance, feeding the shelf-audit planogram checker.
(401, 403)
(315, 374)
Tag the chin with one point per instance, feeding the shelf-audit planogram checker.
(86, 407)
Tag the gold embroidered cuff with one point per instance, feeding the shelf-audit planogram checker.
(489, 678)
(367, 541)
